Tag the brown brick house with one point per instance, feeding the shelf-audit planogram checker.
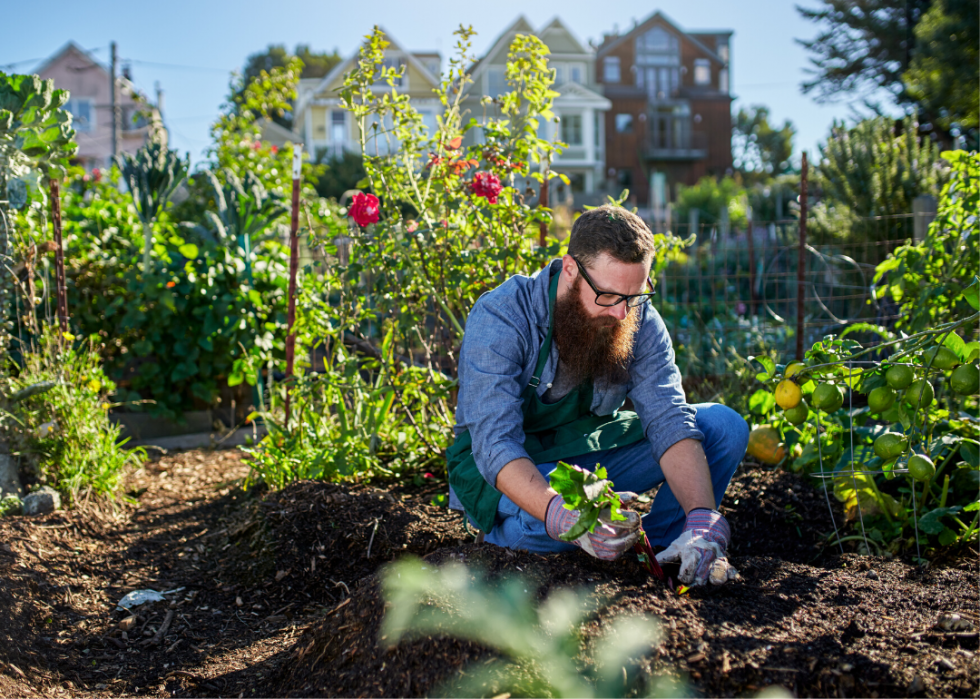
(670, 121)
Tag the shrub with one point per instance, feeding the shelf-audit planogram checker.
(63, 435)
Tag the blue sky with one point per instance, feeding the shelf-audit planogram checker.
(191, 47)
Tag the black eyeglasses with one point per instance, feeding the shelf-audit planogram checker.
(605, 298)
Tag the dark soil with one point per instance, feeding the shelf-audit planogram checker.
(277, 594)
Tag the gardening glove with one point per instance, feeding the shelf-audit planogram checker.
(610, 538)
(701, 548)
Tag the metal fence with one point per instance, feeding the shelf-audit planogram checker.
(733, 289)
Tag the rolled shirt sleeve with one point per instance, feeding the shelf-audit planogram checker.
(491, 382)
(655, 387)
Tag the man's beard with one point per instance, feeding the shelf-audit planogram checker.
(596, 348)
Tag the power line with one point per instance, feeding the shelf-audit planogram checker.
(174, 66)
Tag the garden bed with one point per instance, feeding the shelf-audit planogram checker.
(279, 596)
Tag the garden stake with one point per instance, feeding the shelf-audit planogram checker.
(801, 266)
(59, 257)
(543, 204)
(293, 264)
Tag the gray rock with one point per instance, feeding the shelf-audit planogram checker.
(41, 501)
(9, 480)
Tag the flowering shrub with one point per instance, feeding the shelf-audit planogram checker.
(486, 185)
(364, 209)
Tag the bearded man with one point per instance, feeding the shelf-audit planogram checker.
(546, 365)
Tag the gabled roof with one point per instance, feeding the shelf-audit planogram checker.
(502, 42)
(348, 62)
(70, 47)
(573, 92)
(645, 24)
(556, 25)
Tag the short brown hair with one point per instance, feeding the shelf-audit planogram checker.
(613, 230)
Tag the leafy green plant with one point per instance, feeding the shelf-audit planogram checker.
(926, 279)
(588, 492)
(63, 434)
(540, 644)
(35, 144)
(152, 175)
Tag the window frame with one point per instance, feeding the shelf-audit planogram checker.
(704, 80)
(90, 123)
(607, 63)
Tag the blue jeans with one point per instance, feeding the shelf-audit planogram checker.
(633, 468)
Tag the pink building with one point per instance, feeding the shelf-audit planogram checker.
(90, 103)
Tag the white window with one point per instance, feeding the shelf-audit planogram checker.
(82, 113)
(496, 81)
(396, 64)
(571, 129)
(610, 69)
(576, 73)
(723, 80)
(723, 51)
(702, 71)
(560, 73)
(624, 123)
(337, 127)
(658, 60)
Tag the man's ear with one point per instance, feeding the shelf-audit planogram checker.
(569, 268)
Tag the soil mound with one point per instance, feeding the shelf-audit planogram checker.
(854, 627)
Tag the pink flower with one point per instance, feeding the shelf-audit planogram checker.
(412, 227)
(96, 174)
(364, 209)
(257, 145)
(486, 184)
(427, 475)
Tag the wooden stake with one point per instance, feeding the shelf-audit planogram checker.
(543, 203)
(59, 256)
(801, 265)
(293, 267)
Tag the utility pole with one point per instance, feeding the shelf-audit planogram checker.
(114, 102)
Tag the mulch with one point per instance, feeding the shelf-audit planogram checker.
(278, 593)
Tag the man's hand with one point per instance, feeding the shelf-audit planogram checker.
(701, 549)
(610, 538)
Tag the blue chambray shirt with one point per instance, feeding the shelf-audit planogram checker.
(504, 334)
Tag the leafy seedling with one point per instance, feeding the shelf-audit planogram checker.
(590, 493)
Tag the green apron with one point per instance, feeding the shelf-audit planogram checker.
(553, 432)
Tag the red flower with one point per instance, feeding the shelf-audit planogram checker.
(486, 184)
(171, 284)
(427, 475)
(455, 143)
(275, 149)
(96, 174)
(364, 209)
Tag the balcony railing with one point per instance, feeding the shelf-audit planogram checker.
(675, 144)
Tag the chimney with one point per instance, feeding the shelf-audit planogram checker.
(127, 72)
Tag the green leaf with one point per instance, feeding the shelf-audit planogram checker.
(762, 402)
(189, 250)
(767, 364)
(970, 453)
(971, 351)
(972, 295)
(930, 522)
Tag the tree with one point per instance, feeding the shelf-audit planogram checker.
(314, 65)
(943, 76)
(863, 46)
(875, 168)
(761, 151)
(341, 173)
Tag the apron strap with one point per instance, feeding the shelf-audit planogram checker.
(546, 345)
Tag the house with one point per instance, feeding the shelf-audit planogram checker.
(580, 107)
(90, 104)
(326, 128)
(670, 122)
